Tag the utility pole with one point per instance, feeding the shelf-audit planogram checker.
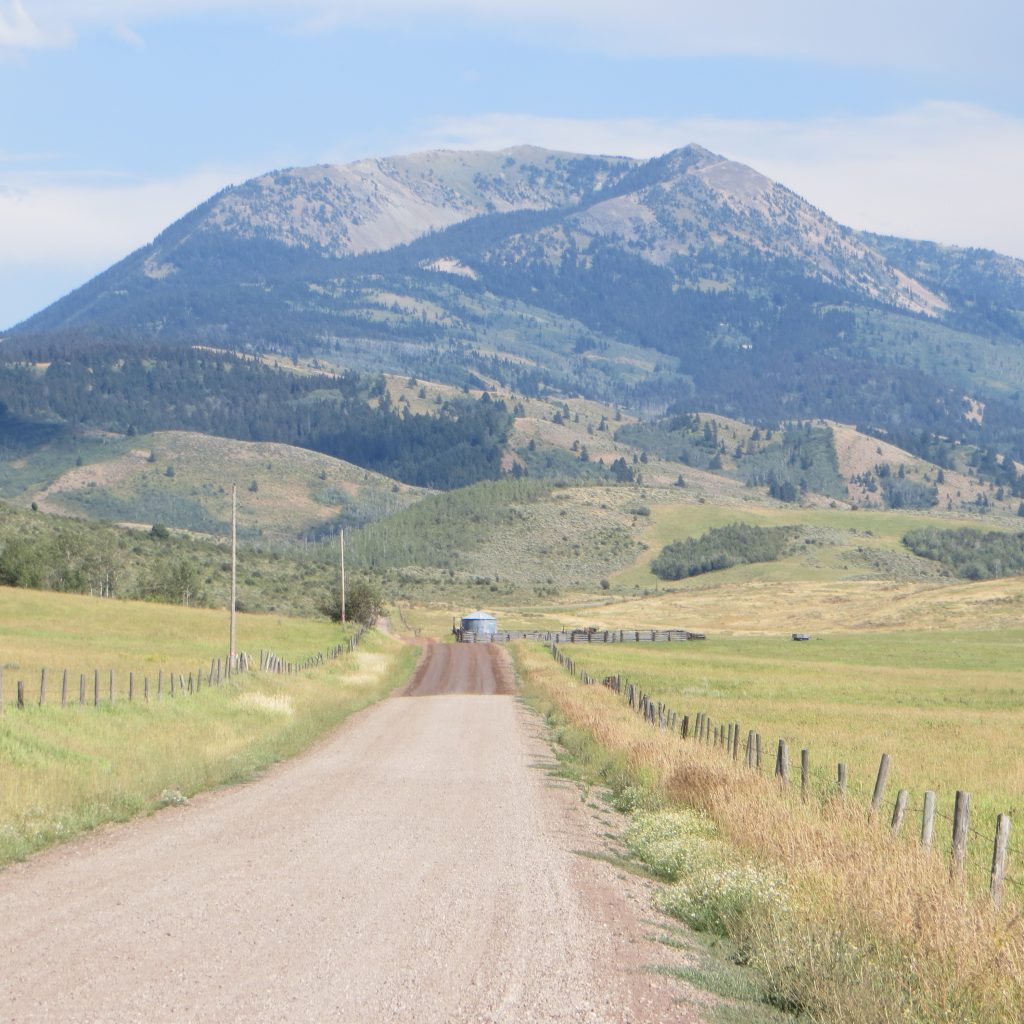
(234, 571)
(341, 537)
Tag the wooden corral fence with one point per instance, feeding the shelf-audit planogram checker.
(105, 687)
(726, 737)
(581, 636)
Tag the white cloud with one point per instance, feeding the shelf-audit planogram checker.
(56, 234)
(19, 31)
(947, 172)
(942, 34)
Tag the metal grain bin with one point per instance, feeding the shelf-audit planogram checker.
(479, 622)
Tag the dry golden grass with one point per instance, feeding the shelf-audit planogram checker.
(296, 488)
(753, 599)
(871, 930)
(947, 709)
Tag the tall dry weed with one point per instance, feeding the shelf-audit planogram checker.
(873, 929)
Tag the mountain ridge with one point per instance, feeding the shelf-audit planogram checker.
(687, 278)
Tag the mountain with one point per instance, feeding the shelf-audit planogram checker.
(683, 282)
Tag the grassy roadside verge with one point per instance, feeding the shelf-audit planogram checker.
(843, 924)
(946, 707)
(64, 771)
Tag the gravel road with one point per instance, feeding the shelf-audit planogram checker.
(419, 865)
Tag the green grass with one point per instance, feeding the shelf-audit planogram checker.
(851, 535)
(948, 707)
(127, 480)
(841, 921)
(57, 631)
(66, 770)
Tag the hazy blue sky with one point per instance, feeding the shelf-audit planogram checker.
(118, 116)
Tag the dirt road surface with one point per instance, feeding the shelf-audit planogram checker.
(419, 865)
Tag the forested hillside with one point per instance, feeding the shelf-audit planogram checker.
(127, 390)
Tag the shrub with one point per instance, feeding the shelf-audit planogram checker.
(721, 548)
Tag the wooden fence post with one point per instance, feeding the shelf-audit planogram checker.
(782, 763)
(883, 774)
(736, 741)
(111, 686)
(750, 749)
(1002, 844)
(42, 688)
(145, 688)
(961, 826)
(841, 779)
(64, 689)
(805, 773)
(686, 727)
(21, 694)
(899, 810)
(757, 750)
(131, 686)
(96, 688)
(81, 688)
(928, 819)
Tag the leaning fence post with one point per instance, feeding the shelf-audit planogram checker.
(1002, 844)
(899, 810)
(928, 820)
(883, 774)
(961, 826)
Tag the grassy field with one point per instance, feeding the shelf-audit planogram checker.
(65, 770)
(57, 631)
(840, 543)
(948, 709)
(843, 923)
(184, 480)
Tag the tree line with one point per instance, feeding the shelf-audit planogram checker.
(722, 547)
(970, 554)
(348, 416)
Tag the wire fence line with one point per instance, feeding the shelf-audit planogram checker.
(725, 737)
(104, 687)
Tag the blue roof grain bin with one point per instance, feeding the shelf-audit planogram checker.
(479, 622)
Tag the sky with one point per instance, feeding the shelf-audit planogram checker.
(119, 116)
